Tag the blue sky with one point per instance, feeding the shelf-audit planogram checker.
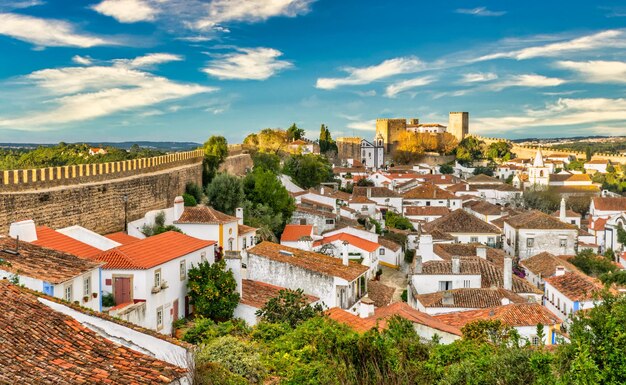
(117, 70)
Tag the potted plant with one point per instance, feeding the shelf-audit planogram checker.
(378, 274)
(94, 295)
(164, 285)
(156, 289)
(86, 298)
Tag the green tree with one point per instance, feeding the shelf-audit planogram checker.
(446, 169)
(326, 142)
(294, 133)
(576, 165)
(225, 193)
(591, 264)
(500, 150)
(469, 150)
(494, 331)
(237, 356)
(215, 152)
(397, 221)
(291, 307)
(268, 201)
(158, 227)
(213, 290)
(308, 170)
(266, 161)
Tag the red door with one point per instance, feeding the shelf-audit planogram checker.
(175, 310)
(187, 310)
(122, 290)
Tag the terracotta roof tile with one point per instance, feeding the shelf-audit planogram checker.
(42, 346)
(515, 314)
(610, 203)
(122, 238)
(440, 178)
(482, 178)
(379, 293)
(53, 239)
(469, 298)
(309, 260)
(204, 215)
(391, 245)
(293, 233)
(152, 251)
(38, 262)
(568, 214)
(243, 229)
(312, 211)
(256, 294)
(545, 264)
(537, 220)
(428, 191)
(486, 208)
(376, 192)
(361, 199)
(468, 250)
(575, 286)
(426, 210)
(355, 241)
(460, 221)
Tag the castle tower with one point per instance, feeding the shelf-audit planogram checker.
(538, 174)
(458, 124)
(390, 130)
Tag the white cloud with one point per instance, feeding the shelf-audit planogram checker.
(82, 60)
(479, 11)
(526, 80)
(19, 4)
(478, 77)
(248, 63)
(564, 112)
(366, 125)
(393, 89)
(127, 11)
(221, 11)
(46, 32)
(83, 93)
(366, 75)
(604, 39)
(148, 60)
(597, 71)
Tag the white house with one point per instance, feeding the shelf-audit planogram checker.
(597, 165)
(425, 214)
(567, 216)
(336, 282)
(148, 278)
(535, 232)
(372, 154)
(463, 227)
(542, 266)
(385, 198)
(362, 250)
(55, 273)
(604, 207)
(430, 195)
(568, 292)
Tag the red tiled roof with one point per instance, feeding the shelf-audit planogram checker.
(598, 224)
(545, 264)
(426, 210)
(204, 215)
(469, 298)
(610, 203)
(514, 314)
(375, 192)
(575, 286)
(537, 220)
(52, 239)
(460, 221)
(152, 251)
(309, 260)
(428, 191)
(243, 229)
(256, 294)
(42, 346)
(361, 199)
(122, 238)
(355, 241)
(42, 263)
(293, 233)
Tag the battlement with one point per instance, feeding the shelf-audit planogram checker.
(39, 178)
(348, 139)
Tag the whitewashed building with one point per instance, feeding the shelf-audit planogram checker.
(534, 232)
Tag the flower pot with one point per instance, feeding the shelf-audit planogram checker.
(94, 295)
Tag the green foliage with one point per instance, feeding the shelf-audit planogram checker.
(211, 373)
(499, 151)
(397, 221)
(195, 191)
(237, 356)
(377, 225)
(294, 133)
(213, 290)
(614, 277)
(409, 255)
(405, 295)
(225, 193)
(575, 165)
(267, 162)
(308, 170)
(158, 227)
(621, 235)
(494, 331)
(591, 264)
(446, 169)
(483, 170)
(215, 152)
(108, 300)
(469, 150)
(268, 205)
(546, 200)
(326, 142)
(204, 330)
(190, 201)
(290, 307)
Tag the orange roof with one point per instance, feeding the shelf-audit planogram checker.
(355, 241)
(293, 233)
(52, 239)
(514, 314)
(575, 286)
(243, 229)
(122, 238)
(598, 224)
(382, 314)
(204, 215)
(152, 251)
(256, 293)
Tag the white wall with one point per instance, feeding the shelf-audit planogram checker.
(429, 283)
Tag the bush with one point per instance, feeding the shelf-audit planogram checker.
(405, 295)
(205, 330)
(190, 201)
(290, 307)
(237, 356)
(213, 290)
(446, 169)
(108, 300)
(397, 221)
(211, 373)
(195, 191)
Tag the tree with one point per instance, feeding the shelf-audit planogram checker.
(291, 307)
(397, 221)
(215, 152)
(447, 143)
(272, 140)
(265, 161)
(213, 290)
(326, 142)
(575, 165)
(469, 150)
(308, 170)
(268, 202)
(225, 193)
(446, 169)
(294, 133)
(237, 356)
(158, 227)
(591, 264)
(195, 191)
(500, 150)
(493, 330)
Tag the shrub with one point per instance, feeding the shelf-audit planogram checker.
(211, 373)
(291, 307)
(213, 290)
(190, 201)
(205, 330)
(195, 191)
(237, 356)
(108, 300)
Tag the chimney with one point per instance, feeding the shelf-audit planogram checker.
(179, 207)
(562, 212)
(239, 215)
(24, 230)
(369, 192)
(456, 265)
(481, 251)
(418, 264)
(508, 273)
(366, 307)
(344, 254)
(560, 270)
(305, 243)
(467, 187)
(447, 299)
(505, 301)
(233, 262)
(426, 247)
(322, 190)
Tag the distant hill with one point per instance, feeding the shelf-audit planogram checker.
(163, 146)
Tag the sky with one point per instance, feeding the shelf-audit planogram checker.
(183, 70)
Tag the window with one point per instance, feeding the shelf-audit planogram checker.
(491, 240)
(381, 251)
(252, 240)
(87, 286)
(302, 221)
(466, 283)
(203, 256)
(563, 242)
(183, 270)
(530, 242)
(244, 243)
(230, 244)
(473, 239)
(445, 285)
(157, 278)
(68, 293)
(159, 318)
(534, 341)
(330, 221)
(427, 203)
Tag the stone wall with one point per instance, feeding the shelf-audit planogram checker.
(98, 205)
(349, 148)
(237, 164)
